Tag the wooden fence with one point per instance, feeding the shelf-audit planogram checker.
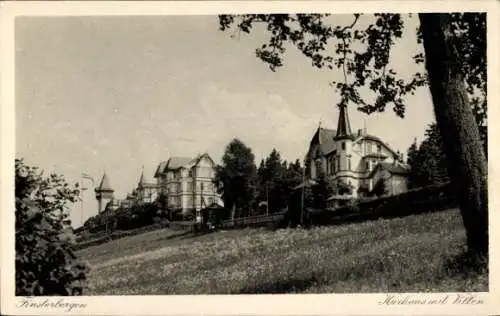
(183, 225)
(255, 221)
(252, 221)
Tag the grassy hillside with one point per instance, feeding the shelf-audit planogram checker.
(409, 254)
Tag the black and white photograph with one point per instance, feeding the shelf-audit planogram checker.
(251, 153)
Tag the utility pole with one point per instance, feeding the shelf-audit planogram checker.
(81, 204)
(85, 176)
(202, 204)
(302, 194)
(267, 199)
(81, 210)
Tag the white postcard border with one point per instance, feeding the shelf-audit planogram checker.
(323, 304)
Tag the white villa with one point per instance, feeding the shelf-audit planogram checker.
(358, 159)
(188, 183)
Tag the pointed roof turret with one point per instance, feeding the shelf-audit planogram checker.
(144, 181)
(104, 185)
(141, 179)
(344, 126)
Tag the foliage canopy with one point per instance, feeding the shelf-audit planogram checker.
(45, 259)
(362, 54)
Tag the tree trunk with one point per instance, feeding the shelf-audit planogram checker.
(456, 123)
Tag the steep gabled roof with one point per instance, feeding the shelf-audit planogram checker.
(160, 169)
(327, 145)
(145, 184)
(178, 162)
(141, 179)
(104, 185)
(324, 137)
(174, 163)
(197, 159)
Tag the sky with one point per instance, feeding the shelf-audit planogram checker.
(113, 94)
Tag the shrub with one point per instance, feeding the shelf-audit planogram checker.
(45, 259)
(380, 188)
(427, 199)
(126, 218)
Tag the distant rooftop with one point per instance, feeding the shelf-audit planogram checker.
(178, 162)
(104, 185)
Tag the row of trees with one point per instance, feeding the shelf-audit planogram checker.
(243, 185)
(428, 161)
(275, 181)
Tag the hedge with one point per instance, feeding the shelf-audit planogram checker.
(421, 200)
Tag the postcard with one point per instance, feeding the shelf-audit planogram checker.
(249, 157)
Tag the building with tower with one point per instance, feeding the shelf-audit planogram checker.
(356, 160)
(146, 191)
(104, 193)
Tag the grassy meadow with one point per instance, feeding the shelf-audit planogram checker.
(412, 254)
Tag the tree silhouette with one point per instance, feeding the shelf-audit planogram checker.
(45, 260)
(428, 162)
(236, 177)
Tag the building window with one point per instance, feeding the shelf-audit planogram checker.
(343, 145)
(190, 173)
(379, 148)
(338, 164)
(348, 163)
